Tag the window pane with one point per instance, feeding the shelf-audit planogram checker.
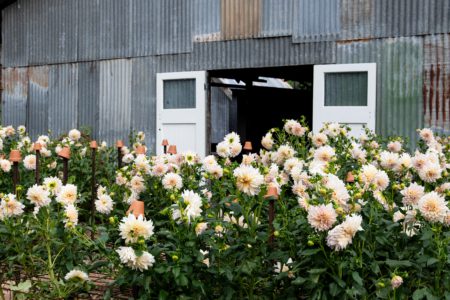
(179, 93)
(346, 89)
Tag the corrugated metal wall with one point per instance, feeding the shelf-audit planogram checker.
(54, 31)
(399, 81)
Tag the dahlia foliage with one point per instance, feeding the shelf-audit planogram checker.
(362, 217)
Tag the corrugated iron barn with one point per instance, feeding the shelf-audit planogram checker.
(191, 70)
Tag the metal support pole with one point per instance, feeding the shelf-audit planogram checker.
(65, 170)
(37, 175)
(271, 218)
(15, 176)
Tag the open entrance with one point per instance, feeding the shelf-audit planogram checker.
(252, 101)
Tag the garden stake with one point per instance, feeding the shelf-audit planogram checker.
(65, 155)
(93, 146)
(15, 158)
(119, 145)
(165, 143)
(37, 147)
(272, 195)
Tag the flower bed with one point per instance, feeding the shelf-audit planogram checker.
(310, 216)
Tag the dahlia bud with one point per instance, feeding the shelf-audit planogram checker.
(396, 281)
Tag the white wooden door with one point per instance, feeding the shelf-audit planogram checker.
(345, 93)
(180, 111)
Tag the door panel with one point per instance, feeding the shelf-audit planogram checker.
(181, 113)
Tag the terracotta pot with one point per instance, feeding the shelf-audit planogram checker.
(137, 207)
(93, 145)
(248, 146)
(272, 192)
(64, 153)
(15, 156)
(350, 178)
(37, 147)
(165, 142)
(172, 149)
(119, 144)
(140, 150)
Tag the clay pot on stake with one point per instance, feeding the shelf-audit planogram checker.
(65, 155)
(248, 147)
(165, 143)
(172, 149)
(140, 150)
(137, 208)
(37, 148)
(93, 145)
(271, 195)
(119, 145)
(15, 158)
(350, 178)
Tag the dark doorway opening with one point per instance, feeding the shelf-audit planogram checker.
(252, 101)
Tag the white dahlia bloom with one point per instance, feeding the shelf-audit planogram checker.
(29, 162)
(433, 207)
(319, 139)
(394, 146)
(137, 184)
(10, 207)
(143, 262)
(53, 185)
(74, 135)
(430, 172)
(194, 204)
(389, 160)
(342, 235)
(172, 181)
(283, 153)
(132, 228)
(322, 217)
(67, 194)
(426, 135)
(248, 180)
(76, 275)
(5, 165)
(104, 204)
(38, 195)
(267, 141)
(412, 194)
(71, 214)
(324, 154)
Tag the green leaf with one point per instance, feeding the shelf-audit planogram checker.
(23, 287)
(317, 271)
(419, 294)
(432, 261)
(334, 289)
(398, 263)
(357, 278)
(299, 281)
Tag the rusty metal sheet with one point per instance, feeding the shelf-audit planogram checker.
(240, 19)
(436, 85)
(14, 96)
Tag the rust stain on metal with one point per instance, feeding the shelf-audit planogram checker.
(361, 40)
(240, 19)
(39, 76)
(436, 89)
(15, 81)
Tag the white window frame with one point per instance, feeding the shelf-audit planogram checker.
(344, 114)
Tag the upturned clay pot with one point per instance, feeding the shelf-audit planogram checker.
(37, 147)
(248, 146)
(93, 145)
(137, 207)
(64, 153)
(350, 178)
(165, 142)
(15, 156)
(119, 144)
(172, 149)
(272, 192)
(140, 150)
